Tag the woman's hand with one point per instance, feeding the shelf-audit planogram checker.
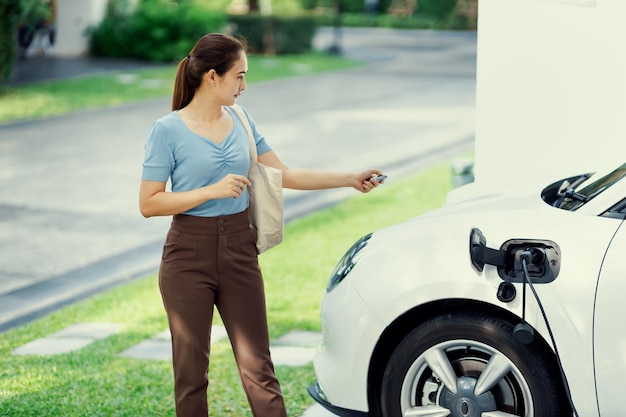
(231, 185)
(366, 180)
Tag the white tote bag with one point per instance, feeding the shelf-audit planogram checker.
(266, 196)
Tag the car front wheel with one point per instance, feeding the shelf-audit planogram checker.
(470, 365)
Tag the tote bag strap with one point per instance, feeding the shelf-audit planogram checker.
(246, 123)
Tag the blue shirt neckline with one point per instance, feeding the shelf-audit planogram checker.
(204, 138)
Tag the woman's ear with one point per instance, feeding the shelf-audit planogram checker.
(211, 77)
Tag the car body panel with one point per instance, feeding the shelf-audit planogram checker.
(343, 362)
(427, 259)
(609, 329)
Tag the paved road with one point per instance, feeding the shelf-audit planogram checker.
(69, 219)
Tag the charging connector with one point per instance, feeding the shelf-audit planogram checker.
(533, 256)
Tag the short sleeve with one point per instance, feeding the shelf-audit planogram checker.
(158, 161)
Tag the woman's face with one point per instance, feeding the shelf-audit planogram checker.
(231, 85)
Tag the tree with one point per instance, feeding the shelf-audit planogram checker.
(12, 14)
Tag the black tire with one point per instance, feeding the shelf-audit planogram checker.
(453, 351)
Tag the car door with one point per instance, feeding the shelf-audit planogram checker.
(610, 328)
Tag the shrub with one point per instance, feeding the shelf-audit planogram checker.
(161, 34)
(380, 20)
(439, 9)
(308, 4)
(383, 5)
(353, 6)
(276, 34)
(349, 6)
(294, 35)
(252, 27)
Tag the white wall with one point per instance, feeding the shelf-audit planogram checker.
(73, 17)
(551, 89)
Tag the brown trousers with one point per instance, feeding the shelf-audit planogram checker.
(211, 262)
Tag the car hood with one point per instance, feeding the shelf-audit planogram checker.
(476, 211)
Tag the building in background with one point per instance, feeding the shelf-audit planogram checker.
(551, 90)
(74, 17)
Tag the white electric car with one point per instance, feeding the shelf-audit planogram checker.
(496, 306)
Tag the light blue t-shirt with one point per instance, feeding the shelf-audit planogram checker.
(172, 151)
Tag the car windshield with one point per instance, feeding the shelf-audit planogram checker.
(574, 194)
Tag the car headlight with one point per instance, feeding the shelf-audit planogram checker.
(347, 262)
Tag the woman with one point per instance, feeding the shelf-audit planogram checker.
(209, 257)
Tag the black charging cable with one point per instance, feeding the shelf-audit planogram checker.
(527, 256)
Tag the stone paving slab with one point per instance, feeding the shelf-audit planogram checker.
(291, 355)
(159, 347)
(300, 338)
(296, 348)
(70, 339)
(153, 349)
(52, 346)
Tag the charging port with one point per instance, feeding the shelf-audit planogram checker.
(543, 260)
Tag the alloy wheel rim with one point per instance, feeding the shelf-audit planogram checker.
(464, 378)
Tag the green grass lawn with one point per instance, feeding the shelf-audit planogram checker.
(58, 97)
(96, 381)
